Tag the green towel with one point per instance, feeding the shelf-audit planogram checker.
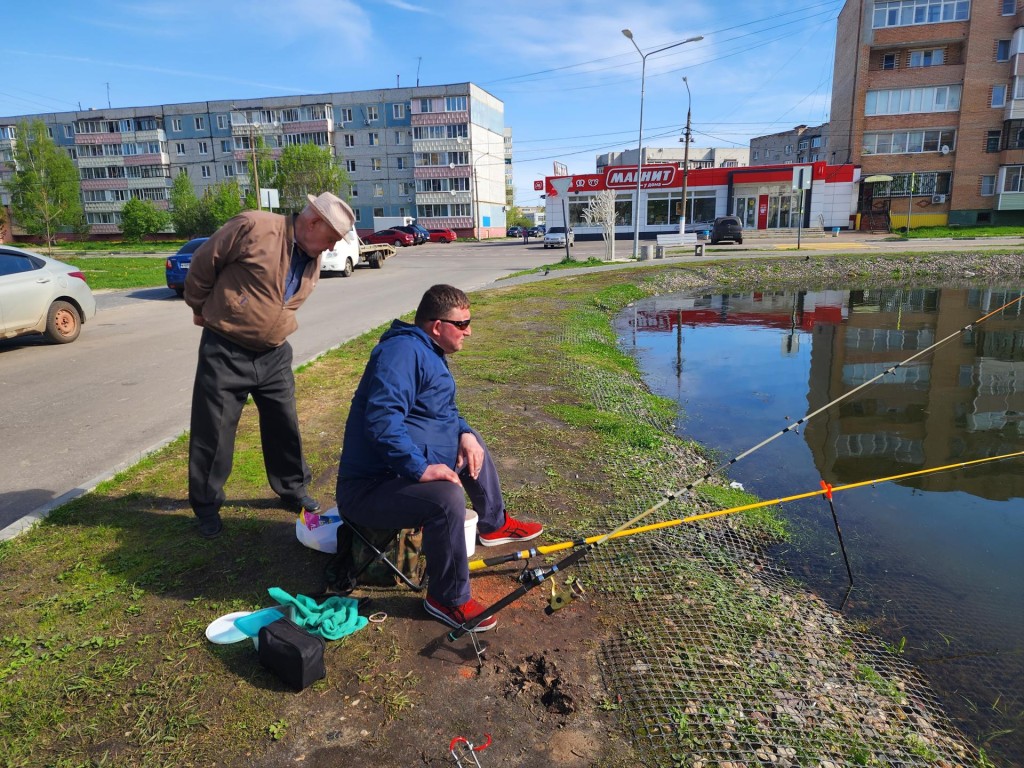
(333, 619)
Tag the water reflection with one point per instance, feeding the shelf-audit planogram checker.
(936, 558)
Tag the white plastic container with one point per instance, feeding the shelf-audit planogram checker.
(471, 518)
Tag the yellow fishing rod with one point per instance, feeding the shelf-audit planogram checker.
(624, 530)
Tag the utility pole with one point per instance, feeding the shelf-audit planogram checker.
(686, 158)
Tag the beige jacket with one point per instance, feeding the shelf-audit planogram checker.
(236, 280)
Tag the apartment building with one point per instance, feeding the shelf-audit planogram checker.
(438, 153)
(699, 157)
(928, 98)
(799, 145)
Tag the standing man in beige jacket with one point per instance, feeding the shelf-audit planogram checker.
(244, 286)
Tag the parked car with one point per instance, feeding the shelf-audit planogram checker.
(514, 231)
(555, 237)
(42, 295)
(176, 267)
(393, 236)
(442, 235)
(727, 228)
(422, 230)
(538, 231)
(418, 238)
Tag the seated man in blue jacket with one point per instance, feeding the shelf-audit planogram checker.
(409, 459)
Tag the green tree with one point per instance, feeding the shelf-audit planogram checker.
(45, 194)
(306, 169)
(221, 202)
(186, 212)
(140, 218)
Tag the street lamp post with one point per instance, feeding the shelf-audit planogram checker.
(686, 158)
(640, 141)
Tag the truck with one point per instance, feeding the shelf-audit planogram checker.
(387, 222)
(351, 252)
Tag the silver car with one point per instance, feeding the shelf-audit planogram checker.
(555, 237)
(42, 295)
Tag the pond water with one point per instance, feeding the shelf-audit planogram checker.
(938, 559)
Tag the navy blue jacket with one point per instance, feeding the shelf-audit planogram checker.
(403, 414)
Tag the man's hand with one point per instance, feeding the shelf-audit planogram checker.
(471, 454)
(439, 472)
(198, 320)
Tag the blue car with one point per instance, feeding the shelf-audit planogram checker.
(178, 264)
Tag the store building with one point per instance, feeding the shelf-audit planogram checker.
(763, 197)
(437, 153)
(928, 98)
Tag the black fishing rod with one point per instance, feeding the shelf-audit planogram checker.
(537, 576)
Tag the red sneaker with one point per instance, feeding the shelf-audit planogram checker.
(512, 530)
(456, 616)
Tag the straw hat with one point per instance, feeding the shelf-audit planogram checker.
(335, 211)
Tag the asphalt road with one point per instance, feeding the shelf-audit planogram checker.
(75, 414)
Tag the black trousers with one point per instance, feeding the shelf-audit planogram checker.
(439, 507)
(225, 377)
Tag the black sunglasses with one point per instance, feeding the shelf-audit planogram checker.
(460, 324)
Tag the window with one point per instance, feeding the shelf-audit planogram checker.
(225, 145)
(378, 212)
(924, 184)
(229, 169)
(1013, 181)
(222, 122)
(908, 142)
(179, 148)
(69, 131)
(902, 13)
(931, 57)
(350, 166)
(378, 190)
(398, 111)
(374, 139)
(353, 191)
(375, 164)
(176, 124)
(1009, 7)
(460, 209)
(399, 137)
(205, 171)
(460, 131)
(401, 163)
(204, 148)
(346, 114)
(998, 96)
(988, 186)
(200, 122)
(939, 98)
(371, 113)
(789, 149)
(350, 139)
(455, 104)
(1002, 50)
(426, 105)
(889, 61)
(404, 188)
(756, 154)
(1014, 132)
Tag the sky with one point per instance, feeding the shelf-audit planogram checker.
(569, 79)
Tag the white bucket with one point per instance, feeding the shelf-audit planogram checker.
(471, 518)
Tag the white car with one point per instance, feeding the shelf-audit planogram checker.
(42, 295)
(555, 237)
